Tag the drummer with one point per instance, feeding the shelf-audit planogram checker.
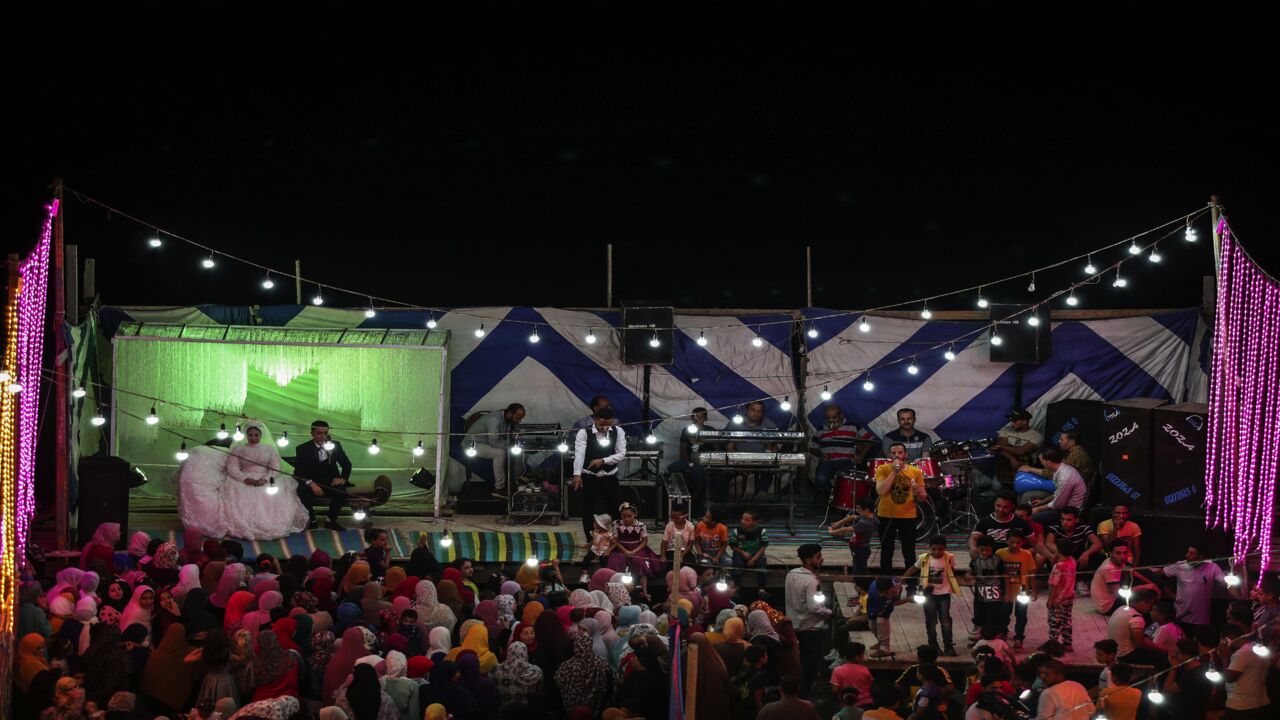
(840, 447)
(916, 442)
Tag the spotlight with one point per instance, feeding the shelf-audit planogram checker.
(785, 405)
(480, 331)
(152, 419)
(591, 336)
(359, 514)
(471, 449)
(268, 283)
(272, 488)
(182, 452)
(222, 432)
(237, 435)
(79, 392)
(283, 440)
(702, 339)
(825, 394)
(419, 450)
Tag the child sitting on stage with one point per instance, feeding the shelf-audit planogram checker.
(712, 539)
(601, 540)
(631, 547)
(748, 544)
(678, 525)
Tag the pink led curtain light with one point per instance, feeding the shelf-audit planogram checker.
(34, 272)
(1244, 402)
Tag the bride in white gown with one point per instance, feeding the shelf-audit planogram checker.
(231, 494)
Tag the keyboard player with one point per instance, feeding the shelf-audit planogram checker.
(688, 465)
(755, 421)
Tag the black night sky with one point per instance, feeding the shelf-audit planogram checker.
(496, 175)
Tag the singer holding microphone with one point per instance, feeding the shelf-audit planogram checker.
(899, 484)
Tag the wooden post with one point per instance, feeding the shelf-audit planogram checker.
(297, 281)
(61, 378)
(808, 276)
(691, 683)
(608, 275)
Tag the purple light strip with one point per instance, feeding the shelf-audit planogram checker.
(32, 304)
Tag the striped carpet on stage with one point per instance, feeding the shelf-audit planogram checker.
(491, 547)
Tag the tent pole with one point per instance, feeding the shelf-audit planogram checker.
(608, 275)
(808, 276)
(1215, 209)
(297, 282)
(60, 377)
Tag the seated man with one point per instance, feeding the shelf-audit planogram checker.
(1070, 488)
(492, 438)
(1016, 444)
(840, 447)
(755, 421)
(1119, 527)
(1076, 456)
(584, 423)
(695, 474)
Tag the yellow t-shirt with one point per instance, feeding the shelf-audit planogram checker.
(880, 714)
(1025, 563)
(900, 501)
(1120, 703)
(1129, 529)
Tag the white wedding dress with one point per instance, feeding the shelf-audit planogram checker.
(214, 498)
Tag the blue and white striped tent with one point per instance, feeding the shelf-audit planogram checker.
(1163, 356)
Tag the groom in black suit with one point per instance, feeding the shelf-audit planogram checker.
(320, 472)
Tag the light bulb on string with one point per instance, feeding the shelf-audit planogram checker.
(79, 392)
(913, 368)
(471, 449)
(533, 336)
(237, 435)
(431, 322)
(950, 354)
(98, 420)
(318, 299)
(272, 488)
(757, 341)
(692, 429)
(283, 440)
(222, 433)
(996, 339)
(153, 418)
(702, 339)
(1126, 592)
(328, 446)
(864, 326)
(1191, 233)
(1119, 281)
(1261, 650)
(517, 448)
(1155, 696)
(563, 447)
(370, 312)
(785, 405)
(268, 283)
(419, 450)
(722, 585)
(982, 302)
(651, 439)
(1212, 675)
(359, 514)
(819, 597)
(1031, 287)
(1134, 249)
(1089, 269)
(919, 597)
(1071, 299)
(1231, 579)
(813, 331)
(480, 331)
(654, 341)
(604, 441)
(626, 577)
(825, 394)
(1155, 255)
(155, 241)
(737, 417)
(1025, 694)
(1023, 597)
(1033, 320)
(1099, 716)
(208, 262)
(182, 452)
(868, 385)
(446, 540)
(532, 561)
(591, 336)
(925, 312)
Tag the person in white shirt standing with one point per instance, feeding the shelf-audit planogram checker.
(1069, 488)
(1246, 682)
(807, 615)
(597, 453)
(1062, 699)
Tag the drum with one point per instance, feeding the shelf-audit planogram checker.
(849, 488)
(928, 466)
(877, 462)
(926, 518)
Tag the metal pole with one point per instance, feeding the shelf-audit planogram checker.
(608, 276)
(1215, 208)
(297, 281)
(808, 276)
(60, 377)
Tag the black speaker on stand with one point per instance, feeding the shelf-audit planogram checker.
(104, 495)
(1019, 340)
(1178, 457)
(641, 326)
(1125, 471)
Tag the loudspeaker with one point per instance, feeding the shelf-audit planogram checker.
(1020, 342)
(1126, 452)
(1165, 537)
(640, 327)
(1178, 457)
(104, 483)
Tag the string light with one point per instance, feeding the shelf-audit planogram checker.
(785, 405)
(155, 241)
(1155, 696)
(913, 368)
(919, 597)
(950, 354)
(825, 394)
(268, 283)
(182, 452)
(98, 420)
(654, 341)
(79, 392)
(925, 312)
(419, 450)
(283, 440)
(819, 597)
(563, 447)
(431, 322)
(604, 441)
(591, 336)
(1126, 592)
(373, 447)
(272, 488)
(471, 449)
(864, 326)
(318, 299)
(702, 339)
(208, 262)
(1119, 281)
(533, 336)
(153, 418)
(1031, 287)
(446, 540)
(995, 338)
(1025, 694)
(222, 432)
(532, 561)
(868, 385)
(1089, 269)
(813, 331)
(1155, 255)
(1071, 298)
(1134, 249)
(480, 331)
(722, 585)
(1212, 675)
(692, 429)
(757, 341)
(370, 312)
(1261, 650)
(1033, 320)
(14, 387)
(1023, 597)
(517, 448)
(651, 439)
(1232, 579)
(359, 514)
(1191, 233)
(328, 446)
(626, 577)
(237, 435)
(982, 302)
(737, 417)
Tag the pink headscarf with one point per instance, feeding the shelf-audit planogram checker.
(487, 611)
(107, 534)
(240, 604)
(600, 579)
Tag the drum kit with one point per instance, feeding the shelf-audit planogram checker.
(947, 471)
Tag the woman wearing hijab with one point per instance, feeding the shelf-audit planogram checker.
(454, 575)
(734, 648)
(275, 670)
(192, 547)
(102, 546)
(645, 689)
(167, 679)
(363, 698)
(372, 604)
(163, 568)
(487, 612)
(240, 605)
(215, 657)
(341, 663)
(583, 679)
(442, 689)
(407, 589)
(516, 677)
(506, 610)
(600, 600)
(477, 641)
(281, 708)
(30, 660)
(431, 611)
(233, 577)
(528, 578)
(600, 579)
(87, 615)
(105, 664)
(402, 690)
(322, 588)
(392, 579)
(31, 614)
(210, 574)
(481, 687)
(188, 579)
(451, 597)
(713, 681)
(68, 701)
(267, 601)
(138, 611)
(358, 574)
(423, 562)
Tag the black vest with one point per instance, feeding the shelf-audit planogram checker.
(596, 451)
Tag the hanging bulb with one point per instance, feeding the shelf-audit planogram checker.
(1033, 320)
(1261, 650)
(950, 354)
(819, 597)
(1119, 281)
(925, 312)
(1231, 579)
(153, 418)
(591, 336)
(654, 341)
(864, 326)
(222, 433)
(208, 262)
(722, 585)
(431, 322)
(373, 447)
(370, 312)
(626, 577)
(702, 339)
(825, 394)
(1025, 694)
(604, 441)
(996, 339)
(419, 450)
(533, 336)
(471, 449)
(1134, 249)
(1126, 592)
(517, 448)
(563, 447)
(737, 418)
(1155, 255)
(328, 446)
(446, 540)
(913, 368)
(1023, 597)
(757, 341)
(182, 452)
(919, 597)
(785, 405)
(1191, 233)
(98, 420)
(532, 561)
(693, 428)
(272, 488)
(868, 385)
(982, 302)
(1155, 696)
(1213, 675)
(1089, 269)
(813, 331)
(359, 514)
(1031, 286)
(283, 440)
(480, 331)
(651, 439)
(268, 283)
(318, 299)
(155, 241)
(1071, 299)
(79, 392)
(237, 435)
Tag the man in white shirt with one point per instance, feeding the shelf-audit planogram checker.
(1016, 444)
(1127, 627)
(808, 616)
(1197, 580)
(1115, 570)
(1069, 488)
(1247, 684)
(1062, 699)
(597, 453)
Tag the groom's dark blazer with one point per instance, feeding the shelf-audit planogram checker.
(307, 465)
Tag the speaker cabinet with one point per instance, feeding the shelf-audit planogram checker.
(1178, 457)
(1020, 342)
(104, 483)
(640, 327)
(1127, 427)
